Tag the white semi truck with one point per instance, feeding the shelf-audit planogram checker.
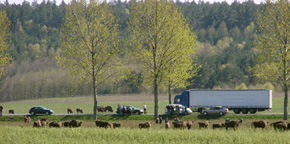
(237, 100)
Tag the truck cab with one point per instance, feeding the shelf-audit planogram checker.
(182, 99)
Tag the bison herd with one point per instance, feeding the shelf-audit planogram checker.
(279, 125)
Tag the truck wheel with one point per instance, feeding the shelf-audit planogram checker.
(253, 111)
(137, 113)
(237, 111)
(221, 113)
(245, 111)
(205, 113)
(32, 113)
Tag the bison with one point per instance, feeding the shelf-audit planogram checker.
(37, 123)
(11, 111)
(280, 125)
(259, 124)
(232, 124)
(75, 123)
(66, 124)
(116, 125)
(101, 109)
(55, 124)
(203, 124)
(108, 108)
(219, 125)
(103, 124)
(179, 124)
(69, 110)
(189, 124)
(79, 110)
(145, 125)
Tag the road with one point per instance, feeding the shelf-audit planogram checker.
(146, 114)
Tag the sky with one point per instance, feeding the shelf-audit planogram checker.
(66, 1)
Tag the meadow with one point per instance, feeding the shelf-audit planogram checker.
(154, 135)
(60, 105)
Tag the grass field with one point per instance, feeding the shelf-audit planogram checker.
(28, 135)
(60, 105)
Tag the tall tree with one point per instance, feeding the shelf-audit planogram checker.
(5, 57)
(160, 37)
(90, 43)
(273, 21)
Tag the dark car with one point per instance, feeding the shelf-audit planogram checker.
(40, 110)
(129, 110)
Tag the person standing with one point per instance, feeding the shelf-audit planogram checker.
(1, 109)
(145, 108)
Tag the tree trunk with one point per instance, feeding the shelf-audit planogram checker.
(155, 97)
(169, 93)
(95, 99)
(286, 103)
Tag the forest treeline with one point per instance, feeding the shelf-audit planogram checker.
(224, 49)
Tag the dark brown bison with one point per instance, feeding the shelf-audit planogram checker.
(66, 124)
(116, 125)
(179, 124)
(189, 124)
(259, 124)
(103, 124)
(108, 108)
(280, 125)
(69, 110)
(232, 124)
(288, 126)
(203, 124)
(37, 123)
(101, 109)
(11, 111)
(79, 110)
(55, 124)
(75, 123)
(219, 125)
(145, 125)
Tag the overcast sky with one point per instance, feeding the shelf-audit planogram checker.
(66, 1)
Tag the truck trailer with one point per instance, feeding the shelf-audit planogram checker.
(251, 100)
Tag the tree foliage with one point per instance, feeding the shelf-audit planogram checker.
(5, 58)
(162, 41)
(273, 21)
(90, 43)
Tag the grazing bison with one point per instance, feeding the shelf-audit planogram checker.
(37, 123)
(203, 124)
(55, 124)
(259, 124)
(75, 123)
(219, 125)
(232, 124)
(145, 125)
(108, 108)
(69, 110)
(189, 124)
(101, 109)
(280, 125)
(179, 124)
(11, 111)
(103, 124)
(79, 110)
(66, 124)
(116, 125)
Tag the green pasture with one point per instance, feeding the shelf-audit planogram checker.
(29, 135)
(60, 106)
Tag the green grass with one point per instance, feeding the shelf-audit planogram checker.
(60, 106)
(124, 135)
